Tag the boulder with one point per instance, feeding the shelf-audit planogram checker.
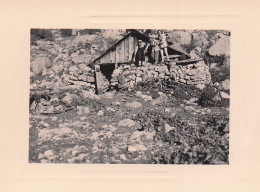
(221, 47)
(181, 37)
(39, 65)
(126, 123)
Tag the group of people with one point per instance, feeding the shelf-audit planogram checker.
(158, 45)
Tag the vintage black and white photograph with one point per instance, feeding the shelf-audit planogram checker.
(129, 96)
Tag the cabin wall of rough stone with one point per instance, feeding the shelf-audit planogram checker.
(81, 75)
(192, 74)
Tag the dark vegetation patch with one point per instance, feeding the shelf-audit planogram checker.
(199, 143)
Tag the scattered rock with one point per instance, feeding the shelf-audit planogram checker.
(116, 103)
(167, 110)
(86, 110)
(200, 86)
(48, 154)
(168, 128)
(122, 157)
(69, 98)
(100, 113)
(225, 85)
(133, 104)
(56, 134)
(224, 95)
(90, 95)
(126, 123)
(40, 156)
(44, 161)
(83, 118)
(137, 147)
(110, 109)
(189, 108)
(114, 150)
(94, 136)
(217, 97)
(136, 135)
(108, 95)
(149, 135)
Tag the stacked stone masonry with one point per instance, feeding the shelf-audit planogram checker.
(81, 75)
(191, 74)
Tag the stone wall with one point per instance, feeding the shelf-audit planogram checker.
(81, 75)
(192, 74)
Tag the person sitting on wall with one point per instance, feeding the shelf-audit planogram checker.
(139, 52)
(154, 43)
(163, 45)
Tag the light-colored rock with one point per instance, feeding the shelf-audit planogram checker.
(123, 157)
(126, 123)
(90, 79)
(82, 78)
(108, 95)
(201, 86)
(116, 103)
(44, 161)
(149, 135)
(138, 79)
(83, 118)
(56, 134)
(86, 110)
(59, 108)
(217, 97)
(167, 110)
(100, 113)
(168, 128)
(48, 154)
(221, 47)
(39, 65)
(224, 95)
(69, 98)
(41, 156)
(137, 147)
(90, 95)
(189, 108)
(225, 85)
(110, 109)
(136, 135)
(114, 150)
(133, 104)
(79, 110)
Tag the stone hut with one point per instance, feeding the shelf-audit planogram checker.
(118, 60)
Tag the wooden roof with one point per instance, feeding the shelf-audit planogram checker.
(142, 36)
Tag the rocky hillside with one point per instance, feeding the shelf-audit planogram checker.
(156, 121)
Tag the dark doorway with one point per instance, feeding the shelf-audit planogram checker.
(107, 70)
